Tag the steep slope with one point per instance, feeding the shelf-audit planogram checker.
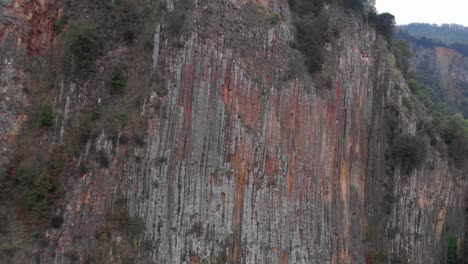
(447, 70)
(439, 63)
(213, 144)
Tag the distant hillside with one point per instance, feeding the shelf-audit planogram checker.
(431, 42)
(446, 33)
(440, 65)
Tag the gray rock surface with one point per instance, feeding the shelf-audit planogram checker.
(242, 163)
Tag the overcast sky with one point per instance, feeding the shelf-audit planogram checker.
(426, 11)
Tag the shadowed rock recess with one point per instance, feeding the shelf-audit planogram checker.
(187, 131)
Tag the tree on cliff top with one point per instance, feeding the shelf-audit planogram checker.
(384, 24)
(357, 5)
(312, 26)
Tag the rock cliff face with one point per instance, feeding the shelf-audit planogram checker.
(26, 29)
(245, 159)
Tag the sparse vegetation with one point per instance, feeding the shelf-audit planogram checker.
(402, 53)
(32, 181)
(421, 93)
(312, 26)
(180, 22)
(452, 129)
(454, 132)
(36, 185)
(159, 85)
(57, 162)
(407, 103)
(128, 16)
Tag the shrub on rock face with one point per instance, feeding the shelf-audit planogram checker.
(82, 47)
(102, 159)
(46, 116)
(118, 82)
(35, 184)
(179, 22)
(409, 152)
(129, 15)
(56, 221)
(274, 19)
(454, 132)
(451, 249)
(60, 24)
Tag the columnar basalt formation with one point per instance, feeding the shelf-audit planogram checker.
(244, 161)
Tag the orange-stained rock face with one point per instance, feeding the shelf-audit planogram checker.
(244, 162)
(32, 23)
(26, 26)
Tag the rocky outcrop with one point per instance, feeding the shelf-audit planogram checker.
(247, 159)
(26, 29)
(31, 23)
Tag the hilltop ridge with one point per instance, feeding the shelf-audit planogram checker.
(445, 33)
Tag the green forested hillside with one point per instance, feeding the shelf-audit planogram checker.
(446, 33)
